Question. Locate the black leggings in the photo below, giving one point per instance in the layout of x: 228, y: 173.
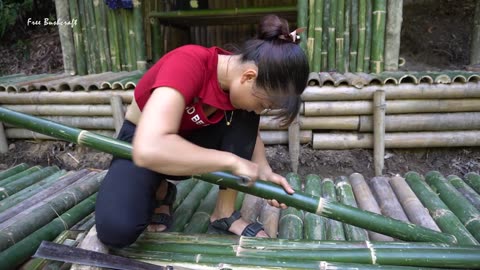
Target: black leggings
x: 126, y: 199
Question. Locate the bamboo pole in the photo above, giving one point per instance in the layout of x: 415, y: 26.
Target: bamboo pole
x: 80, y: 56
x: 281, y: 137
x: 294, y: 143
x: 362, y: 10
x: 339, y: 37
x: 314, y: 226
x: 13, y: 170
x: 388, y: 202
x: 66, y: 36
x: 458, y: 204
x: 366, y: 201
x: 19, y: 175
x: 260, y: 188
x: 63, y: 109
x: 118, y: 113
x: 445, y: 219
x: 82, y: 12
x: 25, y: 134
x: 346, y: 196
x: 290, y: 224
x: 378, y: 131
x: 113, y: 40
x: 392, y: 33
x: 201, y: 218
x: 317, y: 51
x: 21, y: 183
x: 466, y: 191
x: 3, y: 140
x: 139, y: 35
x: 354, y: 31
x: 332, y: 24
x: 378, y: 35
x: 334, y: 229
x: 83, y: 122
x: 368, y: 36
x: 475, y: 47
x: 473, y: 180
x: 414, y: 209
x: 156, y: 34
x: 325, y: 33
x: 183, y: 188
x: 94, y: 52
x: 101, y: 32
x: 346, y: 34
x: 311, y: 32
x: 320, y: 122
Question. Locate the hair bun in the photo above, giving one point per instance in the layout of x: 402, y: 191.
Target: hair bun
x: 272, y: 27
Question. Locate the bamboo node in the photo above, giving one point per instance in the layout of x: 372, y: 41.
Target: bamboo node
x: 323, y: 265
x: 373, y: 255
x: 320, y: 206
x: 477, y: 218
x: 440, y: 213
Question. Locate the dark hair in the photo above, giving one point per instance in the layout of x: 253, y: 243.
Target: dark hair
x: 282, y: 65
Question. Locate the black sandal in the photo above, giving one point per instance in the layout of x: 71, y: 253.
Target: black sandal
x: 222, y: 225
x: 162, y: 218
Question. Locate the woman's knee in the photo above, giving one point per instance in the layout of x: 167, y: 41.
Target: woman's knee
x: 117, y: 233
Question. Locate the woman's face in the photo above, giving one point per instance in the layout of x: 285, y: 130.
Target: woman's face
x: 245, y: 95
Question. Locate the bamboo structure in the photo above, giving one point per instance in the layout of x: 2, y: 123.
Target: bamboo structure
x: 475, y: 46
x: 378, y: 131
x: 392, y: 34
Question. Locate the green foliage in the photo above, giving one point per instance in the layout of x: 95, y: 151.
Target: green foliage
x: 11, y: 10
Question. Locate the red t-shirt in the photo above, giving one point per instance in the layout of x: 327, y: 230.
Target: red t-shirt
x: 191, y: 70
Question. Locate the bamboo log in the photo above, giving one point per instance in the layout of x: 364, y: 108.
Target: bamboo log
x: 362, y: 9
x: 354, y: 35
x: 118, y: 113
x: 3, y: 140
x: 260, y: 188
x: 25, y: 134
x: 281, y: 137
x: 334, y: 229
x: 91, y: 242
x: 101, y: 32
x: 378, y: 35
x: 113, y: 40
x: 19, y: 175
x: 339, y: 37
x: 325, y: 26
x: 445, y: 219
x: 294, y: 143
x: 346, y: 196
x: 66, y: 36
x: 201, y: 218
x: 379, y: 128
x: 94, y: 53
x: 290, y: 225
x: 392, y: 34
x: 366, y: 201
x: 314, y: 226
x: 183, y: 188
x: 269, y: 217
x: 397, y: 140
x: 458, y: 204
x: 363, y: 107
x: 63, y: 109
x: 337, y: 123
x: 311, y: 32
x: 467, y: 192
x: 473, y: 180
x: 13, y: 170
x: 475, y: 47
x: 21, y: 251
x: 368, y: 36
x: 388, y: 202
x: 47, y: 212
x: 317, y: 52
x: 80, y: 57
x: 40, y: 97
x: 414, y: 209
x: 21, y: 183
x: 332, y: 24
x: 139, y: 35
x: 83, y: 122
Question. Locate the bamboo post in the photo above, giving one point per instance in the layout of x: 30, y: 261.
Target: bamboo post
x: 84, y: 24
x: 139, y: 35
x: 317, y: 51
x: 354, y: 35
x: 378, y: 36
x: 90, y: 242
x: 475, y: 47
x: 334, y: 228
x: 80, y: 56
x: 91, y: 26
x: 66, y: 36
x: 294, y: 143
x: 392, y: 34
x: 3, y: 140
x: 388, y: 202
x: 339, y: 37
x: 101, y: 32
x: 379, y: 131
x: 118, y: 113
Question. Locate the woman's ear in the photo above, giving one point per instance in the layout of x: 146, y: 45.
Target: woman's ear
x: 249, y: 75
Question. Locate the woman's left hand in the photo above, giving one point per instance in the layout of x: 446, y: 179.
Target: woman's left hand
x: 267, y: 174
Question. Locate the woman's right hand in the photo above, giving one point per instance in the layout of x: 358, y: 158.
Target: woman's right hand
x: 246, y: 168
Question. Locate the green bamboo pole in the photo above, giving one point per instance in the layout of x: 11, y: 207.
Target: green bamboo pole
x: 84, y: 30
x: 467, y: 192
x: 101, y: 31
x: 362, y: 9
x: 311, y: 32
x: 189, y: 205
x: 21, y: 183
x: 473, y: 180
x: 201, y: 218
x: 339, y: 37
x: 334, y: 228
x: 314, y: 225
x: 139, y: 35
x: 132, y: 37
x: 459, y: 205
x: 346, y: 34
x: 3, y: 140
x: 66, y: 36
x: 354, y: 35
x: 290, y: 224
x: 392, y: 33
x: 378, y: 35
x: 317, y: 51
x: 47, y: 212
x: 475, y: 45
x: 80, y: 56
x: 21, y: 251
x: 13, y: 170
x: 92, y: 35
x: 113, y: 40
x: 368, y: 36
x: 260, y: 188
x: 332, y: 24
x: 445, y: 219
x: 157, y: 34
x: 19, y: 175
x: 325, y: 27
x: 183, y: 188
x: 239, y: 200
x: 346, y: 196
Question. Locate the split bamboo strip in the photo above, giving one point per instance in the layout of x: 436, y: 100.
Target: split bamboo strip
x: 314, y: 226
x: 66, y: 36
x: 458, y: 204
x: 362, y: 10
x: 260, y: 188
x: 80, y: 56
x: 63, y: 109
x: 290, y: 225
x: 392, y: 33
x: 473, y: 180
x: 19, y: 175
x: 118, y: 113
x: 183, y: 188
x: 412, y: 206
x: 325, y: 33
x: 21, y: 251
x: 396, y: 140
x: 339, y: 37
x: 189, y: 205
x: 334, y: 229
x: 269, y: 217
x: 38, y: 197
x: 311, y: 32
x: 3, y: 140
x: 201, y: 218
x: 467, y: 192
x: 366, y: 201
x: 317, y: 51
x: 368, y: 36
x: 13, y: 170
x: 48, y: 211
x: 354, y: 35
x: 346, y: 196
x: 346, y: 34
x: 113, y: 40
x: 378, y: 35
x: 101, y: 33
x: 294, y: 143
x: 475, y: 47
x: 332, y: 24
x: 21, y: 183
x: 445, y: 219
x: 388, y: 202
x: 379, y: 128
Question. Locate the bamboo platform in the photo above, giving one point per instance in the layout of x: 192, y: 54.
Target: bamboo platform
x: 445, y: 204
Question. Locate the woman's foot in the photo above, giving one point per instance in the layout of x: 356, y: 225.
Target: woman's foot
x: 162, y: 215
x: 236, y: 225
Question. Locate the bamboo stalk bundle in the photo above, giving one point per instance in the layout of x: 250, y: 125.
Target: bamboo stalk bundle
x: 339, y: 37
x: 13, y: 170
x: 21, y: 251
x: 473, y: 180
x: 81, y: 65
x: 317, y: 51
x: 366, y: 201
x: 378, y: 35
x: 379, y: 129
x: 281, y: 137
x: 139, y: 35
x: 63, y: 109
x: 201, y: 218
x: 362, y: 10
x: 38, y: 197
x: 392, y: 33
x: 314, y: 226
x: 475, y: 47
x: 260, y: 188
x: 183, y: 188
x: 189, y: 205
x: 354, y: 34
x: 388, y: 202
x: 47, y: 212
x: 66, y: 36
x: 445, y: 219
x: 290, y: 225
x: 334, y: 229
x: 346, y: 196
x: 113, y: 41
x: 19, y: 175
x: 325, y: 33
x: 368, y: 36
x: 269, y: 217
x: 458, y: 204
x: 412, y: 206
x: 466, y: 191
x: 21, y: 183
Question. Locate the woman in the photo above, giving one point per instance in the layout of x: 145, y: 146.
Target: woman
x: 197, y: 111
